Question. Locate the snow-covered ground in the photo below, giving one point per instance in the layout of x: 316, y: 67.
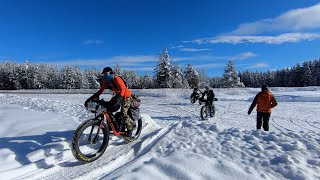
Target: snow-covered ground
x: 37, y: 126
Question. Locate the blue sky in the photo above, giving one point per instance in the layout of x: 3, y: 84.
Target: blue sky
x: 257, y: 35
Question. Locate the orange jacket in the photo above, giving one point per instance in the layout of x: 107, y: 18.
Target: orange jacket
x: 265, y: 101
x: 117, y: 86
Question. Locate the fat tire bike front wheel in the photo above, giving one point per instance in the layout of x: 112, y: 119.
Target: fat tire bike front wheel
x: 204, y: 112
x: 90, y: 141
x: 207, y: 111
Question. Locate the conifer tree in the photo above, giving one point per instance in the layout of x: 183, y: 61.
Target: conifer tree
x: 192, y: 76
x: 230, y: 76
x: 163, y: 71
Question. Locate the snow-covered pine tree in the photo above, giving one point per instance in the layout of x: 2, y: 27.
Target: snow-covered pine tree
x: 192, y: 76
x: 92, y: 75
x: 230, y: 76
x: 45, y: 77
x: 84, y: 82
x: 34, y: 76
x: 13, y: 77
x: 204, y: 80
x: 71, y: 77
x: 146, y: 82
x: 54, y: 80
x: 177, y: 81
x: 10, y: 76
x: 131, y: 78
x: 307, y: 73
x: 117, y: 70
x: 24, y: 75
x: 316, y: 72
x: 163, y: 70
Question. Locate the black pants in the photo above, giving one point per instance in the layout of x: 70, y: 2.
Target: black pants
x: 263, y: 119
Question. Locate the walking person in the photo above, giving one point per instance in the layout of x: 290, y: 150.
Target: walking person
x: 265, y: 101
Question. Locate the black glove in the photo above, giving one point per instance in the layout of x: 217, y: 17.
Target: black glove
x: 95, y: 96
x: 249, y: 112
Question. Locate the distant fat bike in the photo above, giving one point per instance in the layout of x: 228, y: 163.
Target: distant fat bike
x: 208, y: 109
x: 91, y: 138
x: 194, y: 97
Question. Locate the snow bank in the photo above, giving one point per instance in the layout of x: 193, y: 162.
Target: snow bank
x: 192, y: 150
x: 74, y: 110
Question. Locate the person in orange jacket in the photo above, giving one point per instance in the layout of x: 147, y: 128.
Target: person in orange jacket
x: 117, y: 85
x: 265, y: 101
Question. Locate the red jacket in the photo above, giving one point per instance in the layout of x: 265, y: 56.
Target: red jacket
x: 265, y: 101
x: 117, y: 86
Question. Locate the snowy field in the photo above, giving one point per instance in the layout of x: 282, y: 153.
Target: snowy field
x: 37, y: 126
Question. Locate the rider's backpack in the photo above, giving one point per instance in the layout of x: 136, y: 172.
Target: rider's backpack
x: 134, y: 114
x: 116, y: 86
x: 135, y: 103
x: 134, y: 111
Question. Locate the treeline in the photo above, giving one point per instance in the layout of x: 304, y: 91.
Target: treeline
x: 14, y: 76
x: 307, y: 74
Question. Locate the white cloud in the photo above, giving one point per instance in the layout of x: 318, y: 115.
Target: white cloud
x: 241, y: 56
x: 182, y: 48
x: 209, y: 65
x: 176, y: 47
x: 122, y: 60
x: 194, y: 49
x: 294, y: 26
x: 292, y: 21
x: 258, y: 65
x: 245, y: 55
x: 93, y: 41
x: 139, y: 68
x: 200, y: 58
x: 282, y: 38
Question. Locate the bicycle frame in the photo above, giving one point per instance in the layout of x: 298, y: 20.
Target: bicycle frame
x: 113, y: 125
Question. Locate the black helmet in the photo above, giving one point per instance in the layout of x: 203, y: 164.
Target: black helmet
x: 107, y: 69
x: 264, y: 87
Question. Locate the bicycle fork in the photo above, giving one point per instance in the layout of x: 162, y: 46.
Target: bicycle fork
x: 96, y: 137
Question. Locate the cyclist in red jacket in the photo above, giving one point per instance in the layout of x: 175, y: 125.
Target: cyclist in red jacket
x: 117, y: 85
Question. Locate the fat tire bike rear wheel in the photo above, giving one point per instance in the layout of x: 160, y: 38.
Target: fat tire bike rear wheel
x: 90, y: 141
x: 135, y: 133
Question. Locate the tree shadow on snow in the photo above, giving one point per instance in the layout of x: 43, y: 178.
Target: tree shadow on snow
x: 48, y: 144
